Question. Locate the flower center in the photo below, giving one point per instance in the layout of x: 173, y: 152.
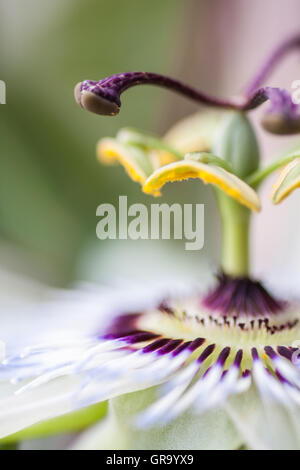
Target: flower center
x: 239, y: 317
x: 187, y: 320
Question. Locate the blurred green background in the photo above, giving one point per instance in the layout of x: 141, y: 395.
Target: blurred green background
x: 50, y: 181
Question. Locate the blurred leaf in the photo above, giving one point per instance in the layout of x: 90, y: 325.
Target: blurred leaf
x: 71, y: 422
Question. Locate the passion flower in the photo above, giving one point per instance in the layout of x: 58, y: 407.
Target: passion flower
x: 216, y: 369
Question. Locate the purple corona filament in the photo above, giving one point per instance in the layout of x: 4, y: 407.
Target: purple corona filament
x: 233, y: 296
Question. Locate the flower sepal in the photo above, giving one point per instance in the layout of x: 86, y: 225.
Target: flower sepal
x: 120, y: 430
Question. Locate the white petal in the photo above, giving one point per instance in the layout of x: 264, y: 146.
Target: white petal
x: 48, y: 401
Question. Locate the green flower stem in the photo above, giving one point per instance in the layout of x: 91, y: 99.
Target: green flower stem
x: 258, y: 176
x: 235, y: 236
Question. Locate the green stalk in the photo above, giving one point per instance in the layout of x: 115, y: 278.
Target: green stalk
x: 235, y: 236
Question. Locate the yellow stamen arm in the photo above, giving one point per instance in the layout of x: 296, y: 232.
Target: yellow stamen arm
x: 138, y: 163
x: 288, y: 181
x: 135, y: 160
x: 222, y: 179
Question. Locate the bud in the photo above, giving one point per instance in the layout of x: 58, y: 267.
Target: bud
x: 236, y: 143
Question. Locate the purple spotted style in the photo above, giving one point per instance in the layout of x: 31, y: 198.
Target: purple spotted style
x: 282, y: 117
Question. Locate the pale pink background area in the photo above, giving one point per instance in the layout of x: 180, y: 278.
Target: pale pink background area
x: 224, y: 42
